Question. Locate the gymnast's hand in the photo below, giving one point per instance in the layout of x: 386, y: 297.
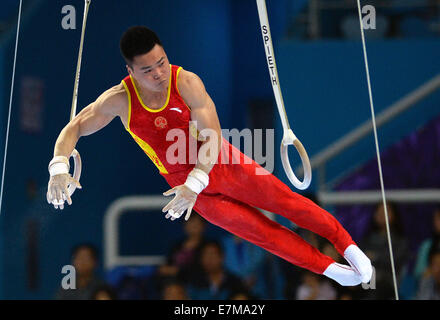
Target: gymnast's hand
x: 184, y: 200
x: 57, y: 191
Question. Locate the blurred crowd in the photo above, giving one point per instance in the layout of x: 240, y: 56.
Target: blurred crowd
x: 230, y: 268
x: 339, y: 19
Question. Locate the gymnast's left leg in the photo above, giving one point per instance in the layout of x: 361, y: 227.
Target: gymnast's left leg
x: 267, y: 192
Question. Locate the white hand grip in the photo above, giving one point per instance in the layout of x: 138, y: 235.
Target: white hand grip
x: 76, y: 171
x: 290, y: 139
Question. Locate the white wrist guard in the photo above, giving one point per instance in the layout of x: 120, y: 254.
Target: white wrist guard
x: 197, y: 180
x: 59, y: 165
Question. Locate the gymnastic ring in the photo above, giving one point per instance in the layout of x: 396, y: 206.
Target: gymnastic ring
x: 76, y: 170
x: 289, y: 138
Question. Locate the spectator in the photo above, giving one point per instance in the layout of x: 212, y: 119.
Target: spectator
x: 315, y: 288
x: 376, y: 248
x: 181, y: 259
x: 213, y: 282
x: 104, y: 292
x: 245, y: 260
x: 174, y: 290
x: 345, y: 295
x: 350, y: 293
x: 134, y: 286
x: 84, y: 260
x: 429, y: 288
x: 425, y: 247
x: 241, y: 295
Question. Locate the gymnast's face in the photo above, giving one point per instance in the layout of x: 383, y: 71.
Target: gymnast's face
x: 151, y: 70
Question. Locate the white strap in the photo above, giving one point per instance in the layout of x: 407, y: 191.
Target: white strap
x: 197, y: 180
x: 58, y: 168
x: 59, y: 165
x: 59, y: 159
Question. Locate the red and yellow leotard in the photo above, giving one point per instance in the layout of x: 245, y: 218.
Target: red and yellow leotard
x: 149, y: 127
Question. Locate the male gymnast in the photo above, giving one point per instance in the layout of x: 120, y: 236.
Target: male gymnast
x: 156, y: 97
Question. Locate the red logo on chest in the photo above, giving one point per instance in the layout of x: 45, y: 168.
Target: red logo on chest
x: 160, y: 122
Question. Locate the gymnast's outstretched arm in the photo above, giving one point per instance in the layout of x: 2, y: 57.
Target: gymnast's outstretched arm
x: 91, y: 119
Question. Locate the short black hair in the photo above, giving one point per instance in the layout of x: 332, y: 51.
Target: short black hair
x: 137, y: 40
x: 213, y: 243
x: 107, y: 289
x: 397, y: 225
x: 88, y: 246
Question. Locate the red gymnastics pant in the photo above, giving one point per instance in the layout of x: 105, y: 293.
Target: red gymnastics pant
x: 235, y: 190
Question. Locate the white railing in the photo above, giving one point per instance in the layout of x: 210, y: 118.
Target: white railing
x: 112, y: 257
x: 111, y: 230
x: 121, y: 206
x: 375, y: 196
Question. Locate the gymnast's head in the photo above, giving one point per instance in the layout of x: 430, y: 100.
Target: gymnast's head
x: 145, y: 58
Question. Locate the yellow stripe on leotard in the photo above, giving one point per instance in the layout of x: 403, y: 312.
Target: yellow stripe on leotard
x: 129, y: 105
x: 149, y: 152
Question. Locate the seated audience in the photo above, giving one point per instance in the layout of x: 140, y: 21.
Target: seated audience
x: 174, y: 290
x: 245, y: 260
x: 314, y: 287
x: 429, y: 288
x: 213, y: 281
x: 181, y: 259
x: 84, y: 260
x: 104, y: 292
x: 375, y: 244
x: 423, y: 252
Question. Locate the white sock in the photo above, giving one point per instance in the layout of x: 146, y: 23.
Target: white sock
x: 359, y: 261
x: 342, y: 274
